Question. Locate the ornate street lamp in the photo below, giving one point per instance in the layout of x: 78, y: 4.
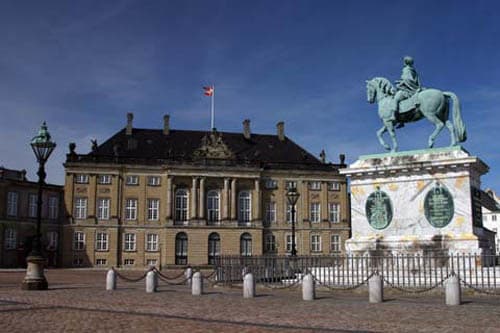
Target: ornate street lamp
x: 35, y: 279
x: 292, y: 196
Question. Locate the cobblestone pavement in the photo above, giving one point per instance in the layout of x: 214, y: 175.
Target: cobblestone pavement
x: 77, y: 302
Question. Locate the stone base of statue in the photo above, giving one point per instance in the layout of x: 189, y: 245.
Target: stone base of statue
x: 35, y: 278
x: 417, y: 202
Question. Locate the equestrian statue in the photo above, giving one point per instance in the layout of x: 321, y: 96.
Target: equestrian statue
x: 410, y: 102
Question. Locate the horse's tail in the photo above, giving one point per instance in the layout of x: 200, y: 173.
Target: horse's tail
x: 458, y: 124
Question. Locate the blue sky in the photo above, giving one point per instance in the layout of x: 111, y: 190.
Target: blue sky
x: 82, y: 65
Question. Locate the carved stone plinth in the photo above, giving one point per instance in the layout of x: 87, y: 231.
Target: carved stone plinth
x: 35, y: 278
x: 420, y: 202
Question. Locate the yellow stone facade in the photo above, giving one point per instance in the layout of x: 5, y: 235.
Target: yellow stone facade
x: 175, y: 197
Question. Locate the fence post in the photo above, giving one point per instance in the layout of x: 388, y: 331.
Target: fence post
x: 151, y: 282
x: 248, y: 286
x: 308, y: 288
x: 453, y: 295
x: 111, y: 280
x: 376, y: 289
x: 188, y: 274
x: 197, y: 284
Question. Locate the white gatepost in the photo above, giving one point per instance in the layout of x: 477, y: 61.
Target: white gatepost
x: 111, y: 280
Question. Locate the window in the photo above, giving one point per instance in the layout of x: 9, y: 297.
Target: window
x: 270, y: 243
x: 32, y: 205
x: 213, y: 206
x: 154, y: 181
x: 335, y: 243
x: 333, y: 186
x: 271, y: 184
x: 151, y: 242
x: 52, y: 240
x: 289, y: 213
x: 181, y: 249
x: 493, y: 218
x: 271, y: 212
x: 103, y: 208
x: 104, y: 179
x: 100, y: 262
x: 78, y: 241
x: 246, y: 245
x: 53, y: 208
x: 129, y: 243
x: 101, y: 241
x: 315, y: 243
x: 10, y: 239
x: 80, y: 208
x: 315, y: 212
x: 315, y: 185
x: 131, y: 209
x: 289, y: 184
x: 213, y: 247
x: 151, y: 262
x: 128, y: 262
x: 77, y: 262
x: 244, y: 206
x: 132, y: 180
x: 181, y: 205
x: 82, y: 179
x: 12, y: 198
x: 153, y: 209
x: 334, y: 212
x: 288, y: 242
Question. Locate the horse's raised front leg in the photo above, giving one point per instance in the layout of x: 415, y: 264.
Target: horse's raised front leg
x: 380, y: 132
x: 390, y: 128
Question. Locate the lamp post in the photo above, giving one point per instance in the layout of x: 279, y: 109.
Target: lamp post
x: 35, y: 279
x: 292, y: 196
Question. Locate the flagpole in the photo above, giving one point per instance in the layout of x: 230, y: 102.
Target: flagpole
x: 212, y: 115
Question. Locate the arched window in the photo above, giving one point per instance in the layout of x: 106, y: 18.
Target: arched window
x: 181, y: 249
x: 181, y: 205
x: 213, y: 247
x: 245, y: 204
x: 213, y: 206
x: 246, y: 244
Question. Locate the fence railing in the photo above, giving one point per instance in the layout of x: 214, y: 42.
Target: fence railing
x: 404, y: 270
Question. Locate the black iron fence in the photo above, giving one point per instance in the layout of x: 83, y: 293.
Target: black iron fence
x: 404, y: 271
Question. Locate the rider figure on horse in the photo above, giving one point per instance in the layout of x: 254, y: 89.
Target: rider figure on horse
x: 406, y: 87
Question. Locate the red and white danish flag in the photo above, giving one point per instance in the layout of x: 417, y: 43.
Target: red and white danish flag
x: 208, y: 91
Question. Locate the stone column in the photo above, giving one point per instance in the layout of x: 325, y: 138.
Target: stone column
x: 202, y: 201
x: 169, y: 197
x: 193, y: 199
x: 256, y: 201
x: 225, y: 200
x: 233, y: 199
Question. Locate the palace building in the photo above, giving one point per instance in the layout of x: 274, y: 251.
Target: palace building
x: 169, y: 197
x: 18, y: 213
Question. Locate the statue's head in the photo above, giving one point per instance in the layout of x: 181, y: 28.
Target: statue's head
x: 408, y: 61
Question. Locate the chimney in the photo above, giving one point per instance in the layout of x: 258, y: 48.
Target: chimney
x: 281, y: 130
x: 166, y: 124
x: 130, y: 117
x: 246, y: 129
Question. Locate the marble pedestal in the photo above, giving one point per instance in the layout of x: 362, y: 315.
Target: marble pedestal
x: 35, y: 278
x: 421, y: 202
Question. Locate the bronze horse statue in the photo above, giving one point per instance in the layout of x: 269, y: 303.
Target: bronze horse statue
x: 432, y: 104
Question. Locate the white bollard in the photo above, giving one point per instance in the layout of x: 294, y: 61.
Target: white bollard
x: 453, y: 295
x: 248, y: 286
x: 111, y: 280
x: 188, y: 274
x: 308, y: 288
x: 376, y: 289
x: 151, y: 282
x: 197, y: 284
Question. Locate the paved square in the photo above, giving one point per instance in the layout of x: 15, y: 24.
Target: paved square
x: 77, y: 302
